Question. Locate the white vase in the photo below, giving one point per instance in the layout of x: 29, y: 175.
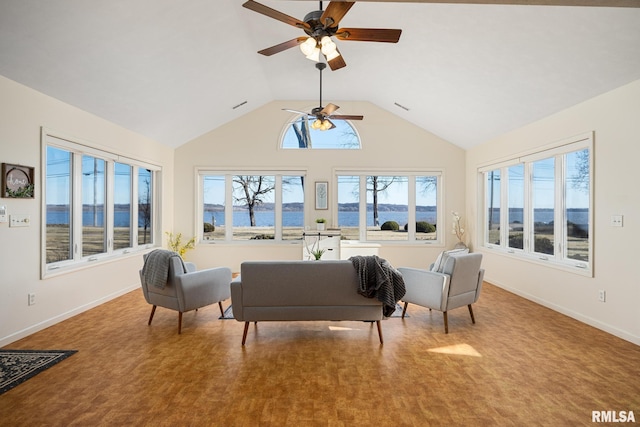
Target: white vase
x: 320, y: 226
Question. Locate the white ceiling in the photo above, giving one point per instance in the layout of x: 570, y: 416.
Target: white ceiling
x: 173, y: 70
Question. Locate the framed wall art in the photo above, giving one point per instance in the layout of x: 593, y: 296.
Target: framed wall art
x: 322, y: 191
x: 17, y: 181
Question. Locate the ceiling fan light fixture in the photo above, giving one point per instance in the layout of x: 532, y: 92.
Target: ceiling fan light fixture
x: 317, y: 124
x: 308, y: 46
x: 326, y: 125
x: 314, y: 55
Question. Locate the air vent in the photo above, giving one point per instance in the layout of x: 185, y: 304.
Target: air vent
x: 239, y: 105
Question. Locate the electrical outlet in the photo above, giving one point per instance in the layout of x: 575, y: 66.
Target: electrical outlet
x: 602, y: 295
x: 32, y: 299
x: 616, y: 220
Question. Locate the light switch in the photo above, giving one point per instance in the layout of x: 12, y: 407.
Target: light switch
x: 3, y: 214
x: 19, y: 221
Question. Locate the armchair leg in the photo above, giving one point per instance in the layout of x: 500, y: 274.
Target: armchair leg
x: 404, y: 310
x: 221, y: 310
x: 153, y: 311
x: 379, y: 331
x: 179, y: 322
x: 446, y: 322
x: 473, y: 319
x: 244, y: 335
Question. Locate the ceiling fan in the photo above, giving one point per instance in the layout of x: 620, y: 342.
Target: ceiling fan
x: 320, y: 26
x: 323, y: 115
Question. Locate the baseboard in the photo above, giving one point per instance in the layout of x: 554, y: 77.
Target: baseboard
x: 64, y: 316
x: 574, y: 315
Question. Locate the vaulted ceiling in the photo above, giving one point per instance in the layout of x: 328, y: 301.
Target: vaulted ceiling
x: 174, y: 70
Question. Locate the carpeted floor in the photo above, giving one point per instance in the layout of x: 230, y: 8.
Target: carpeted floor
x: 17, y: 366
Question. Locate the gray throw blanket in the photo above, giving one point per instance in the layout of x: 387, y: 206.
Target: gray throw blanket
x: 156, y: 267
x: 380, y: 280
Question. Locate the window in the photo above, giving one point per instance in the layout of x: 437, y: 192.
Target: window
x: 300, y: 135
x: 548, y: 195
x: 395, y: 207
x: 245, y: 205
x: 88, y: 204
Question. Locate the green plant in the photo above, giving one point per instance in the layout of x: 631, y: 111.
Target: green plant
x: 175, y: 243
x: 422, y: 227
x: 317, y: 253
x: 208, y: 227
x: 390, y: 225
x: 321, y: 220
x: 22, y: 192
x: 263, y: 237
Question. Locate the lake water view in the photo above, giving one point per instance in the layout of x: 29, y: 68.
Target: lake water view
x: 296, y: 218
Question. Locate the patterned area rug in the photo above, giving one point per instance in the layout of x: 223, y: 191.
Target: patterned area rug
x: 17, y: 366
x: 228, y: 313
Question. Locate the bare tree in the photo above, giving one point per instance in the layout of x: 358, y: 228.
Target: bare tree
x: 253, y: 189
x: 581, y: 177
x: 302, y: 132
x: 144, y: 207
x: 376, y: 185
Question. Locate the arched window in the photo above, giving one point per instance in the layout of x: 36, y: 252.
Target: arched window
x: 301, y: 134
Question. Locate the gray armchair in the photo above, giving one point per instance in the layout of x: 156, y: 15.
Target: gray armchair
x: 457, y: 283
x: 169, y: 282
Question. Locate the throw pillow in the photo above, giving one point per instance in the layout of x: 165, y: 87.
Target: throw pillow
x: 438, y: 266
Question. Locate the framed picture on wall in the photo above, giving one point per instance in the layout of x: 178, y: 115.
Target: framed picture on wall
x: 322, y: 191
x: 17, y: 181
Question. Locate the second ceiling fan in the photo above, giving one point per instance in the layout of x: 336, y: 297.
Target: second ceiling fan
x: 320, y: 26
x: 323, y: 115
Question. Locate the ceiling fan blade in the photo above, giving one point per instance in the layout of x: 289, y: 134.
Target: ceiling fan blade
x: 347, y: 117
x: 275, y: 14
x: 331, y: 123
x: 282, y: 46
x: 334, y: 13
x: 385, y: 35
x: 588, y: 3
x: 329, y: 109
x: 296, y: 111
x: 337, y: 62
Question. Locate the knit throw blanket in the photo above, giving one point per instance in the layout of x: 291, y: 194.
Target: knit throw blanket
x: 156, y: 267
x: 378, y: 279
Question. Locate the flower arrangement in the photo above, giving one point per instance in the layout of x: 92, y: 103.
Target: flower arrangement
x: 176, y: 245
x: 458, y: 230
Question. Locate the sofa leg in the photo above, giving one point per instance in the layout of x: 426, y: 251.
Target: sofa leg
x: 473, y: 319
x: 221, y: 310
x: 179, y: 322
x: 406, y: 304
x: 244, y: 335
x: 153, y: 311
x: 446, y: 322
x: 379, y: 331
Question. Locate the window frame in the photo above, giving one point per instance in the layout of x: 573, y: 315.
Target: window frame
x: 559, y: 259
x: 77, y: 149
x: 411, y: 175
x: 228, y: 174
x: 297, y: 118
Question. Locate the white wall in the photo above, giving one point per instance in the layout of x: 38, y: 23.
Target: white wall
x: 252, y: 141
x: 23, y: 112
x: 615, y: 118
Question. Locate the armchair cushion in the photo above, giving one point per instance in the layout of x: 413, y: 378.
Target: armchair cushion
x: 438, y: 265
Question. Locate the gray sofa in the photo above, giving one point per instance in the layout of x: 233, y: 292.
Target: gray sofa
x: 300, y: 290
